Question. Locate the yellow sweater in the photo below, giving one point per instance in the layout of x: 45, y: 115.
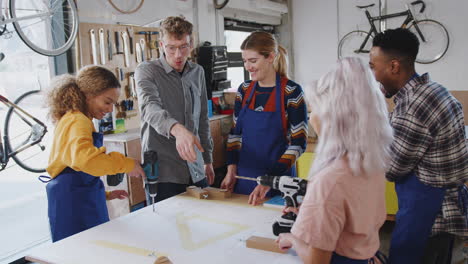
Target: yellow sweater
x: 73, y: 147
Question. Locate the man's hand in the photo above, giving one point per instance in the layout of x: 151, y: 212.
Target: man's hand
x: 209, y: 171
x: 117, y: 194
x: 186, y: 142
x: 258, y: 194
x: 137, y: 170
x: 230, y: 179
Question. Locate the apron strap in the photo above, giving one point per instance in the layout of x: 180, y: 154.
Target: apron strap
x: 249, y: 94
x: 44, y: 178
x: 463, y: 200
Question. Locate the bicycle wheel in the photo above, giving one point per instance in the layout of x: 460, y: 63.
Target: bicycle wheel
x: 53, y: 31
x: 436, y: 40
x: 349, y: 45
x: 126, y: 6
x: 21, y: 130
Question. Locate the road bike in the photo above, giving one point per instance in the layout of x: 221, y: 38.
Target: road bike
x: 433, y: 36
x: 26, y: 139
x: 49, y: 27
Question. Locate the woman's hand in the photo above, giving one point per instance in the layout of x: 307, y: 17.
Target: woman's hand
x: 137, y: 170
x: 230, y: 179
x: 258, y: 194
x: 117, y: 194
x: 284, y: 241
x: 291, y: 209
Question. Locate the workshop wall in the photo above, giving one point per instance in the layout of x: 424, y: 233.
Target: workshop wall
x: 200, y: 12
x: 319, y: 25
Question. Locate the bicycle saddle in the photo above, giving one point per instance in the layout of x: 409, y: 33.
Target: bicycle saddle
x: 366, y: 6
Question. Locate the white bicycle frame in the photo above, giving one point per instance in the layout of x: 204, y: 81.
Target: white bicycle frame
x: 4, y: 21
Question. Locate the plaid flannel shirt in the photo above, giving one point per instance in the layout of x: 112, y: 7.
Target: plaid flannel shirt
x: 429, y: 140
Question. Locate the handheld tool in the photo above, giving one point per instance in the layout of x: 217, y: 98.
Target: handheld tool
x: 151, y: 45
x: 102, y: 48
x: 93, y: 46
x: 118, y: 50
x: 292, y: 190
x: 150, y: 166
x: 109, y: 46
x: 126, y: 49
x: 130, y: 38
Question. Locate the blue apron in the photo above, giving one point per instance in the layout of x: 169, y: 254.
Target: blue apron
x: 76, y: 201
x: 263, y: 140
x: 338, y: 259
x: 418, y: 206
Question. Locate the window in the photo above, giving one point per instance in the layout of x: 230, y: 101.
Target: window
x: 234, y: 34
x: 23, y: 202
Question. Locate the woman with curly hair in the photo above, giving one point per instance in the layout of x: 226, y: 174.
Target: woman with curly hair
x: 75, y: 194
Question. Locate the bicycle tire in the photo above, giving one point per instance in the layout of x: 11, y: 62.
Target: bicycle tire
x: 436, y: 44
x: 60, y: 27
x: 351, y: 42
x: 14, y: 127
x: 129, y: 11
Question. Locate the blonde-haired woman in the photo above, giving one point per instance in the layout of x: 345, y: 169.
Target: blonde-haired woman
x: 76, y: 196
x: 344, y: 207
x: 270, y: 116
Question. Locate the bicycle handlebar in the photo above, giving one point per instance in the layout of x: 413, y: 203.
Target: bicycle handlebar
x: 420, y: 2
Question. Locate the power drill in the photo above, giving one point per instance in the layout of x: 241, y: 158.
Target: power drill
x: 292, y: 189
x: 150, y: 166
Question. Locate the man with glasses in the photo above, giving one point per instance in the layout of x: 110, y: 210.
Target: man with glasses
x: 173, y: 104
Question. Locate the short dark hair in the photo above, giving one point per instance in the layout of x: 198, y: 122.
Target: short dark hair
x: 398, y: 42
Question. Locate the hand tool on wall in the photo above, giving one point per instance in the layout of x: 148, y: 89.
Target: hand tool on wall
x: 151, y: 44
x: 109, y: 46
x: 143, y: 49
x: 118, y: 50
x: 130, y: 38
x: 150, y: 166
x: 93, y: 46
x: 138, y: 53
x: 126, y: 49
x: 292, y: 189
x: 102, y: 46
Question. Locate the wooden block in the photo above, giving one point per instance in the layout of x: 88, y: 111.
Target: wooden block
x: 263, y: 243
x: 216, y: 193
x: 197, y: 192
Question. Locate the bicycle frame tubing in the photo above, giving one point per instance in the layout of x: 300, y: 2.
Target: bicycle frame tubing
x: 373, y: 30
x: 11, y: 20
x: 10, y: 104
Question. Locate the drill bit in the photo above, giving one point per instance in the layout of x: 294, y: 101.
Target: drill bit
x: 246, y: 178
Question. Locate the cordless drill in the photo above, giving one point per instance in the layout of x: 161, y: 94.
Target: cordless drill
x: 292, y: 189
x: 150, y: 166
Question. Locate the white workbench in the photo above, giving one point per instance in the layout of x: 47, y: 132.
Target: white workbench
x: 184, y: 229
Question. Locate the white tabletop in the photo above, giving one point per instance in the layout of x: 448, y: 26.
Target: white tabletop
x: 185, y: 229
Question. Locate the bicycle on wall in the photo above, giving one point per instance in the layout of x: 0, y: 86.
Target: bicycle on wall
x: 49, y: 27
x: 433, y: 36
x: 25, y: 134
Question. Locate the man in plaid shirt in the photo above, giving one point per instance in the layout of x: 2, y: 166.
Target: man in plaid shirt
x: 429, y: 153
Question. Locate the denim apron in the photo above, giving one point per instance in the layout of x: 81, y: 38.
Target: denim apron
x: 263, y: 138
x: 338, y: 259
x: 418, y: 206
x: 76, y: 201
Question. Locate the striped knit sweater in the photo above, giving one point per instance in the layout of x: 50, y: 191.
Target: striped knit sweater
x: 296, y: 119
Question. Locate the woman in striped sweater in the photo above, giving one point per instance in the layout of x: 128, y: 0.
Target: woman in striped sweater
x: 270, y: 119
